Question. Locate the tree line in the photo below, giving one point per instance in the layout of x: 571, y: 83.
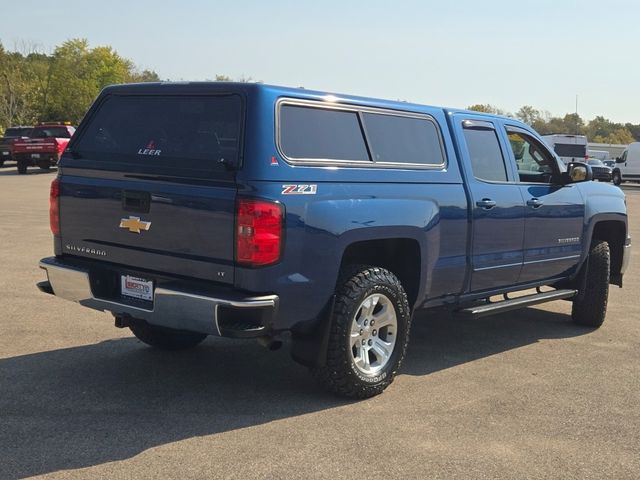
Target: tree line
x: 598, y: 130
x: 37, y: 87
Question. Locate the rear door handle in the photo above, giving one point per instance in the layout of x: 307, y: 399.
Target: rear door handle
x: 535, y: 202
x: 486, y: 203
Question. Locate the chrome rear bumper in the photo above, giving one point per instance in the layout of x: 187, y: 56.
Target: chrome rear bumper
x: 170, y: 308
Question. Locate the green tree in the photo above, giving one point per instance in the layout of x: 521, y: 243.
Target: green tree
x: 488, y: 108
x: 77, y: 75
x: 600, y: 127
x: 38, y: 87
x: 620, y: 136
x: 144, y: 76
x: 528, y: 115
x: 16, y: 88
x: 573, y: 123
x: 634, y: 130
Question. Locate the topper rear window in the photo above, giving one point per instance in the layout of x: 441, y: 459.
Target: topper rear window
x: 189, y: 132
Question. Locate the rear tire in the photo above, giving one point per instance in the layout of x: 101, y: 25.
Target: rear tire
x: 44, y: 165
x: 369, y: 333
x: 22, y: 167
x: 590, y: 307
x: 165, y: 338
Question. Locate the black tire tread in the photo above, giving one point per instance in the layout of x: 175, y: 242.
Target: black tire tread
x: 336, y: 375
x: 590, y: 307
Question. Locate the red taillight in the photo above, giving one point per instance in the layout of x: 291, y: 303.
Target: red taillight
x: 258, y: 232
x: 54, y: 207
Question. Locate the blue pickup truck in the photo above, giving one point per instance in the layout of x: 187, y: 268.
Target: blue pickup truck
x: 247, y: 210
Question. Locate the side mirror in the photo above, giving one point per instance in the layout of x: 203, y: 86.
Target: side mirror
x: 578, y: 172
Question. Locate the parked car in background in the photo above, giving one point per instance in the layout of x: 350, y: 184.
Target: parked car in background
x: 570, y: 148
x: 599, y: 154
x: 628, y: 165
x: 44, y: 147
x: 11, y: 134
x: 600, y: 171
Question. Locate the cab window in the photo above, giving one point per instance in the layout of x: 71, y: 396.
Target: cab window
x: 535, y: 165
x: 485, y: 154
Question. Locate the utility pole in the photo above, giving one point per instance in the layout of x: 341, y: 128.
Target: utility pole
x: 577, y: 114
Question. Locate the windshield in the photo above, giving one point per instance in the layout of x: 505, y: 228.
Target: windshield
x: 595, y: 161
x: 193, y: 132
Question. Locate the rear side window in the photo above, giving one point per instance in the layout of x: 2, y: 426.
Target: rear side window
x: 189, y: 132
x: 570, y: 150
x: 323, y: 134
x: 486, y: 156
x: 399, y: 139
x: 51, y: 132
x: 17, y: 132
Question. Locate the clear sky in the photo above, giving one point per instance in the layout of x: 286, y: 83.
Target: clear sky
x: 453, y: 53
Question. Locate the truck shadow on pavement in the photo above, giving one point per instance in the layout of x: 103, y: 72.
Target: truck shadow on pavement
x: 88, y: 405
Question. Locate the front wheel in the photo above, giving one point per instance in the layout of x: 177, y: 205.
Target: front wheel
x: 616, y: 178
x: 590, y: 306
x: 165, y: 338
x: 369, y: 333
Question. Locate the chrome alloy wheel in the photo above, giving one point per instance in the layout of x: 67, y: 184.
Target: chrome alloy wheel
x: 373, y: 334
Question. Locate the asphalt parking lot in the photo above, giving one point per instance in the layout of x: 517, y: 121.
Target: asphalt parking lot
x: 525, y: 394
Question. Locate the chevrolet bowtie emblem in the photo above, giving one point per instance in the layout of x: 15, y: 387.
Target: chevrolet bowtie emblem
x: 134, y: 224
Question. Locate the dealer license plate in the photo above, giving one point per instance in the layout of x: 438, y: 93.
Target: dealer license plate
x: 35, y: 155
x: 136, y: 287
x: 5, y: 153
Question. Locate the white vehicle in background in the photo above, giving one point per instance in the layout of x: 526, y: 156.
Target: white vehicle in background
x: 570, y: 148
x: 601, y: 155
x: 628, y: 165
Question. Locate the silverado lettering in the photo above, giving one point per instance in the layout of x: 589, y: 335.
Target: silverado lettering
x: 88, y: 251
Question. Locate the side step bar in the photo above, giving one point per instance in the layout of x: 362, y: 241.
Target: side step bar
x: 483, y: 310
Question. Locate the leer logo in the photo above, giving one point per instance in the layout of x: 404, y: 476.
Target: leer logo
x: 134, y: 224
x: 150, y: 149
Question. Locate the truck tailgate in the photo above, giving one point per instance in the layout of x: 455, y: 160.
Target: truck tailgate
x: 172, y: 228
x: 36, y: 145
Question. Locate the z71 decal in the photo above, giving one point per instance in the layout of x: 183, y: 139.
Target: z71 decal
x: 299, y: 189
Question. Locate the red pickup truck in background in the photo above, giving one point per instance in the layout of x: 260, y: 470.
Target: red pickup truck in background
x: 44, y: 147
x: 11, y: 135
